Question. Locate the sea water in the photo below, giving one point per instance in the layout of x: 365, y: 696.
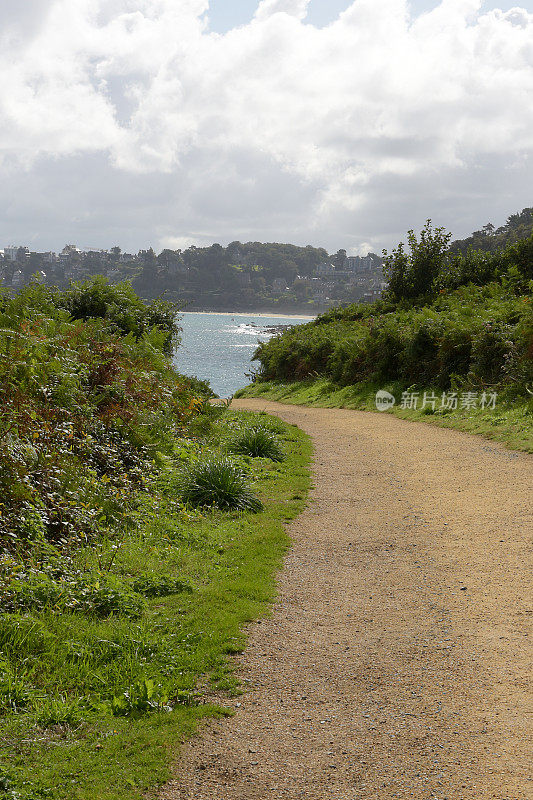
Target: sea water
x: 219, y: 347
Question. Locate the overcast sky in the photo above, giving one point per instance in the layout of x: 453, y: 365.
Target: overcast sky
x: 324, y: 122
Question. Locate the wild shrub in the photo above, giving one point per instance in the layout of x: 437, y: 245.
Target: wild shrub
x: 455, y: 352
x: 413, y: 274
x: 85, y: 409
x: 76, y: 593
x: 122, y: 310
x: 490, y: 349
x: 142, y: 697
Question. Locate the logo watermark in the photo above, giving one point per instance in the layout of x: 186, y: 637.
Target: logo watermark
x: 384, y: 400
x: 443, y: 401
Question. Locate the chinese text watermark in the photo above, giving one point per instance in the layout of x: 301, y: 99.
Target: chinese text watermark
x: 444, y: 401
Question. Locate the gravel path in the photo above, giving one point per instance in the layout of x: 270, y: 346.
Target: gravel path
x: 395, y: 664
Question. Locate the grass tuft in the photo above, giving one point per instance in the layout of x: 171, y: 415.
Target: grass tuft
x: 218, y: 482
x: 257, y: 442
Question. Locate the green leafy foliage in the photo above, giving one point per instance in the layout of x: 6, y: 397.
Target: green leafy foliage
x: 86, y: 406
x: 156, y: 585
x: 102, y: 638
x: 92, y: 702
x: 517, y: 227
x: 122, y: 310
x: 413, y: 274
x: 143, y: 697
x: 75, y: 593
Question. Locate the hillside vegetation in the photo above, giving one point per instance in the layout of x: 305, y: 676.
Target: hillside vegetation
x: 140, y: 527
x: 489, y: 238
x: 447, y: 322
x: 88, y: 396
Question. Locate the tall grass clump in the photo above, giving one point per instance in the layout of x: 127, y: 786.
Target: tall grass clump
x: 218, y: 482
x: 257, y: 442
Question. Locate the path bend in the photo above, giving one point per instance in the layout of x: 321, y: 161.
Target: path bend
x: 396, y: 662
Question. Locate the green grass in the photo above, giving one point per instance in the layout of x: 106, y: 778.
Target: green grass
x: 106, y: 701
x: 510, y: 422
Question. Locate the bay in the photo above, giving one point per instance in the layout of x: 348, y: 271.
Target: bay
x: 219, y: 347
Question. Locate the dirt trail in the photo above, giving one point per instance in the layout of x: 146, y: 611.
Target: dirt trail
x: 395, y: 664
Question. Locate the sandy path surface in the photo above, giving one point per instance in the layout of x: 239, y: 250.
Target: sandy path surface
x: 395, y: 664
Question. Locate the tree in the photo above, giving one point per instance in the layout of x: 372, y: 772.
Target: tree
x: 411, y: 275
x: 339, y: 259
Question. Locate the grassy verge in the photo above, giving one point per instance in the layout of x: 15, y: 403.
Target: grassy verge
x: 510, y: 422
x: 94, y: 706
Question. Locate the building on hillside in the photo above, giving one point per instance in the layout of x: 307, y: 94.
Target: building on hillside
x: 16, y: 253
x: 360, y: 263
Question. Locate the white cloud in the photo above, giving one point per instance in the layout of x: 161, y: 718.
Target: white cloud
x: 331, y: 118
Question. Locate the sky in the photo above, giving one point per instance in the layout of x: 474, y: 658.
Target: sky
x: 167, y: 123
x: 224, y: 14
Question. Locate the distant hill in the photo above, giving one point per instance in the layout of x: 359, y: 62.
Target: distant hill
x: 242, y: 276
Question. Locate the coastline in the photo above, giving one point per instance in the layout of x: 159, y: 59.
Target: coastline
x: 275, y: 315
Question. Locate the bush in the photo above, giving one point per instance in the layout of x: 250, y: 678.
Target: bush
x: 86, y: 405
x: 413, y: 275
x: 257, y: 442
x: 454, y: 355
x: 141, y: 698
x: 122, y: 309
x: 489, y: 352
x: 218, y: 482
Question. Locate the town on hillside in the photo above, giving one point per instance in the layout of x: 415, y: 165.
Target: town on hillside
x: 240, y: 276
